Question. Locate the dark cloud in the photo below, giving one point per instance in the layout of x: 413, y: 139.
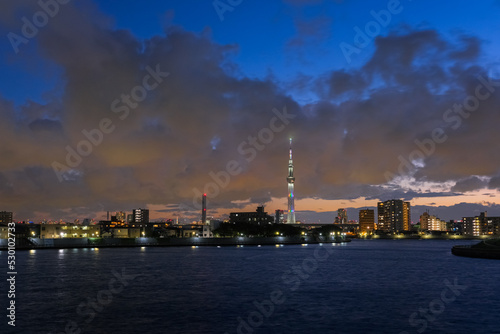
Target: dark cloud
x: 161, y: 152
x: 470, y: 48
x: 401, y: 95
x: 340, y: 82
x: 494, y: 182
x: 310, y: 31
x: 12, y: 11
x: 403, y: 51
x: 47, y: 125
x: 469, y: 184
x: 457, y: 211
x: 406, y: 195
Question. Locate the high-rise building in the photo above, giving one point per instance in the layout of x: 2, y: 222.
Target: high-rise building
x: 406, y: 216
x: 424, y: 221
x: 393, y: 216
x: 431, y: 223
x: 204, y: 209
x: 341, y: 217
x: 5, y: 217
x: 279, y: 217
x: 366, y: 221
x: 291, y: 183
x: 140, y: 216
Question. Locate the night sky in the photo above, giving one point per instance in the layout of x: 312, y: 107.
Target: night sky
x: 116, y: 105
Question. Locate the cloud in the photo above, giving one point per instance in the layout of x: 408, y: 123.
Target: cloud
x: 494, y: 182
x: 340, y: 82
x: 401, y: 95
x: 310, y: 31
x: 469, y: 184
x: 162, y: 152
x: 12, y: 11
x: 457, y: 211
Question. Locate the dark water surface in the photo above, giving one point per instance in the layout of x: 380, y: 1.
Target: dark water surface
x: 379, y: 286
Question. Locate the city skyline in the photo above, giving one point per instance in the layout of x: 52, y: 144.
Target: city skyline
x: 103, y: 111
x: 347, y: 217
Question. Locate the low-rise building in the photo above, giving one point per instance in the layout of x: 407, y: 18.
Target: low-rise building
x: 481, y: 225
x: 258, y: 217
x: 52, y: 231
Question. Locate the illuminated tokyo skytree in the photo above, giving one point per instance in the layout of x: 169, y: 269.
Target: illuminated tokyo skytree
x: 291, y: 183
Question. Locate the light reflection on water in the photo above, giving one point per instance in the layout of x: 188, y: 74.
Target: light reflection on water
x: 361, y: 287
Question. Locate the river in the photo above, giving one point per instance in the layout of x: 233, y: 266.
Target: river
x: 365, y: 286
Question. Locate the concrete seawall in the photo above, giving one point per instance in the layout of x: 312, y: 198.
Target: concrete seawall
x: 470, y: 251
x: 35, y: 243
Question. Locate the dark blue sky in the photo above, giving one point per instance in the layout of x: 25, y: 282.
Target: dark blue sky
x: 272, y: 37
x: 358, y: 114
